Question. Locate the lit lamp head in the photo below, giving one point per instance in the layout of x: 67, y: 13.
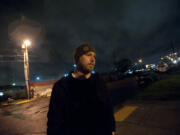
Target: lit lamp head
x: 26, y: 43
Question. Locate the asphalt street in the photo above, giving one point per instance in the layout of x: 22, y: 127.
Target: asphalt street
x: 132, y: 118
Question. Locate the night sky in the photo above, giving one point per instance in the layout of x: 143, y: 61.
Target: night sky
x: 118, y: 29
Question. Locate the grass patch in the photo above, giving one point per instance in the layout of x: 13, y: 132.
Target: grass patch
x: 167, y: 88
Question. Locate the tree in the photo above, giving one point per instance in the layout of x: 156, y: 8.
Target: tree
x: 123, y: 65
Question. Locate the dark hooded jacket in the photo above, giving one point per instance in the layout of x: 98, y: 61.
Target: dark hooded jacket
x: 80, y: 107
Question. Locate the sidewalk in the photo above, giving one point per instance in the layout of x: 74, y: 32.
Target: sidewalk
x: 148, y: 118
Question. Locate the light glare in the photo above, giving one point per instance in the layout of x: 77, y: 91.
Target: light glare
x: 175, y: 61
x: 140, y: 60
x: 27, y: 42
x: 38, y: 78
x: 66, y: 75
x: 1, y: 94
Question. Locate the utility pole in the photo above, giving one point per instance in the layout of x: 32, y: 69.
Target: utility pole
x: 26, y: 66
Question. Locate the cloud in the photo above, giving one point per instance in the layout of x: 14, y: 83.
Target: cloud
x: 118, y: 29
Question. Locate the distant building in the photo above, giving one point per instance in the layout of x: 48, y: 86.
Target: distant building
x: 41, y: 89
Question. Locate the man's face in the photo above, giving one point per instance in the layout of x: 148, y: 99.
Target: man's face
x: 87, y: 62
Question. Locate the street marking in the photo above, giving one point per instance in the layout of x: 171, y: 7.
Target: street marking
x: 24, y: 101
x: 123, y: 113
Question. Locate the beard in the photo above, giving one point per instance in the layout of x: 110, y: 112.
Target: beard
x: 86, y: 68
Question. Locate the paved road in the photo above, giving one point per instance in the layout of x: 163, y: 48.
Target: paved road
x: 149, y: 118
x: 132, y: 118
x: 24, y: 119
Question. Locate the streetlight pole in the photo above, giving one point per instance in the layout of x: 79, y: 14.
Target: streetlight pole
x: 26, y: 65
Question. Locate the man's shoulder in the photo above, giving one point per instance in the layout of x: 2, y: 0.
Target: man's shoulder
x: 63, y: 80
x: 97, y: 77
x: 61, y: 85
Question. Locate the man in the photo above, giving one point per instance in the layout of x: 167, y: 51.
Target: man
x: 79, y: 103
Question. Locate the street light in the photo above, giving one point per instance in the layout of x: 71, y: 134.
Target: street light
x: 140, y: 60
x: 27, y: 42
x: 25, y: 45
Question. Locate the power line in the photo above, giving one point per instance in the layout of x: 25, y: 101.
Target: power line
x: 8, y: 61
x: 1, y: 56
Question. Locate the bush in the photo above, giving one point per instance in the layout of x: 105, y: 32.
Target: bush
x: 167, y: 88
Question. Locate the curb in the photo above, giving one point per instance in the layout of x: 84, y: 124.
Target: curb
x: 17, y: 102
x: 23, y: 101
x: 5, y: 103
